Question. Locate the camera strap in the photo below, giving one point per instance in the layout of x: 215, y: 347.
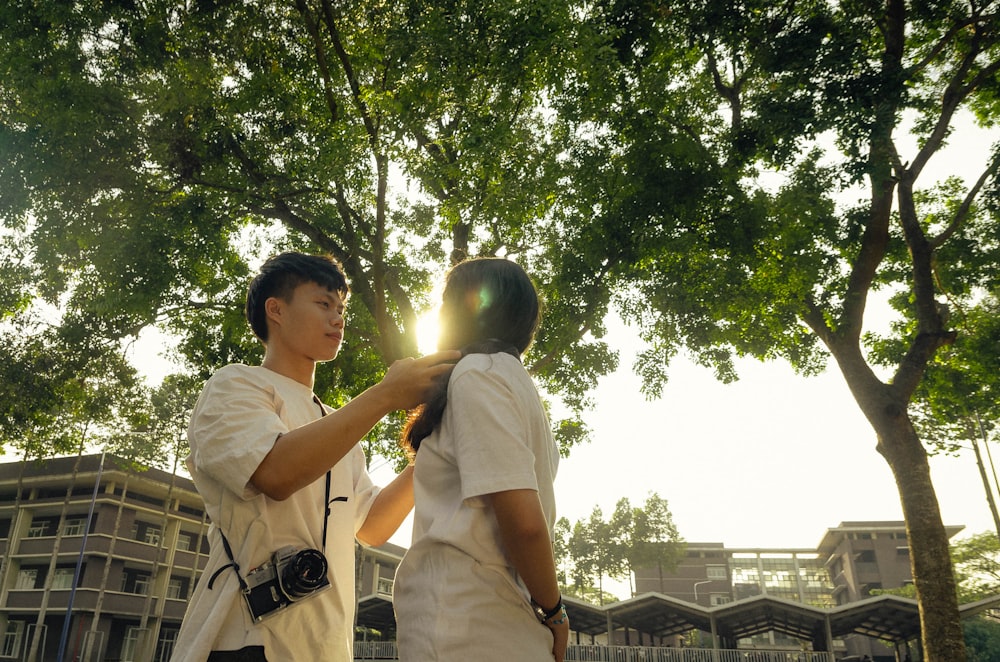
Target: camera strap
x: 229, y: 550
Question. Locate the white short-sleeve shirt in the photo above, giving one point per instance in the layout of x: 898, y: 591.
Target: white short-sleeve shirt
x: 241, y: 412
x: 456, y: 594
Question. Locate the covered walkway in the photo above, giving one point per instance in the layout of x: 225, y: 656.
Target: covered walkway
x: 650, y: 618
x: 890, y: 618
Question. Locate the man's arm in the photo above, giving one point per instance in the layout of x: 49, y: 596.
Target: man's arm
x: 393, y: 503
x: 304, y: 454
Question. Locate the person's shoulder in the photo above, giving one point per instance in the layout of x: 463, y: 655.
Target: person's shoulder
x: 238, y: 375
x: 235, y: 371
x: 499, y: 364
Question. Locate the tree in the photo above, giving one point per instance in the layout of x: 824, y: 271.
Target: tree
x: 959, y: 398
x: 977, y: 564
x: 573, y: 550
x: 590, y: 550
x: 756, y: 190
x: 982, y: 639
x: 200, y: 137
x: 646, y: 536
x: 603, y: 556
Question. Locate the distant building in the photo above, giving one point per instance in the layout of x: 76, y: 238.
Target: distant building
x: 139, y: 539
x: 135, y: 542
x: 851, y: 560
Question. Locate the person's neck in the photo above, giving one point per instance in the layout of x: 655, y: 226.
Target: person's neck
x: 304, y: 372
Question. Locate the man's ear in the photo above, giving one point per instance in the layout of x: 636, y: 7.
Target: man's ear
x: 273, y: 307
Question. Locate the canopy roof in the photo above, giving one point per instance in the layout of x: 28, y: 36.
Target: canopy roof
x: 888, y: 617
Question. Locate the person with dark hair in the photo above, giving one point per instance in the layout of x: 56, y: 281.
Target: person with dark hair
x: 479, y: 579
x: 284, y: 481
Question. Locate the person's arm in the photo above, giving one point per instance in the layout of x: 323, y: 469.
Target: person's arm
x: 393, y: 503
x: 302, y: 455
x: 525, y: 536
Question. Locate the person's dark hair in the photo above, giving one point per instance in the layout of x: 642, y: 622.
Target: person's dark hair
x: 281, y: 274
x: 489, y: 305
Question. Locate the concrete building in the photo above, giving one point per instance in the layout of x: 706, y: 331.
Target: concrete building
x: 97, y: 560
x: 851, y: 561
x: 135, y: 542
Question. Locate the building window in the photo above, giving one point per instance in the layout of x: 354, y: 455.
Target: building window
x: 715, y: 571
x: 39, y: 529
x: 130, y: 645
x: 27, y: 579
x: 719, y: 599
x: 141, y: 584
x: 134, y: 581
x: 175, y: 588
x: 75, y: 526
x: 865, y: 556
x: 147, y: 533
x: 165, y: 647
x: 62, y: 578
x: 12, y: 637
x: 185, y: 541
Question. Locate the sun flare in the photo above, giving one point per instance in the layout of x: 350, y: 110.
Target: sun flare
x: 427, y: 332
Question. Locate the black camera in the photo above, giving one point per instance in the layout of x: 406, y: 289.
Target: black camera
x: 291, y: 575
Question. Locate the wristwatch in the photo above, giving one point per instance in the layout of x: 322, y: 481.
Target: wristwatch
x: 544, y: 614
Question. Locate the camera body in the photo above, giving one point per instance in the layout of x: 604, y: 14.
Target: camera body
x: 291, y: 575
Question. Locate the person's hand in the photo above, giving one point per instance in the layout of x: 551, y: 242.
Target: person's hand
x: 411, y: 381
x: 559, y: 625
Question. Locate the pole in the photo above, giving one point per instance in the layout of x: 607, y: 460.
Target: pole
x: 696, y: 585
x: 982, y: 472
x: 79, y: 564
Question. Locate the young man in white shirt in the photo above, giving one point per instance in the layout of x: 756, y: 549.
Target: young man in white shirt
x: 278, y: 470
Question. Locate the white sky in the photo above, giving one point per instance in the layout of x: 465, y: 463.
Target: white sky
x: 772, y: 460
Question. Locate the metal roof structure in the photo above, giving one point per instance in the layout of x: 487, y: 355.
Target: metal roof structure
x: 375, y: 612
x: 887, y: 617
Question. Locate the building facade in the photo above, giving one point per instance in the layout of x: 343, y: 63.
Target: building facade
x: 851, y: 561
x: 97, y: 560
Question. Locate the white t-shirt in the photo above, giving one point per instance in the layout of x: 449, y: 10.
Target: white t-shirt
x: 241, y: 412
x: 457, y: 596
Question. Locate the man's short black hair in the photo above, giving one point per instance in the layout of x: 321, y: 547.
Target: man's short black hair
x: 281, y: 274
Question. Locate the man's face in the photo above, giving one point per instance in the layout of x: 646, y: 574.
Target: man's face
x: 311, y: 324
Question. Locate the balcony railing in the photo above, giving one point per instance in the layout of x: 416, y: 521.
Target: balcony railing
x: 386, y: 650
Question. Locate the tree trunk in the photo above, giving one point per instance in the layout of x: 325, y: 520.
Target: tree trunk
x: 930, y: 560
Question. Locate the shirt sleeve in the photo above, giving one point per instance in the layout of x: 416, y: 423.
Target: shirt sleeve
x: 233, y: 426
x: 365, y: 491
x: 490, y: 433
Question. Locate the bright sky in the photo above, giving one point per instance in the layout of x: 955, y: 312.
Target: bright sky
x: 772, y: 460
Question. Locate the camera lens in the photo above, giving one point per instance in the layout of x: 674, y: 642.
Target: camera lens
x: 305, y: 572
